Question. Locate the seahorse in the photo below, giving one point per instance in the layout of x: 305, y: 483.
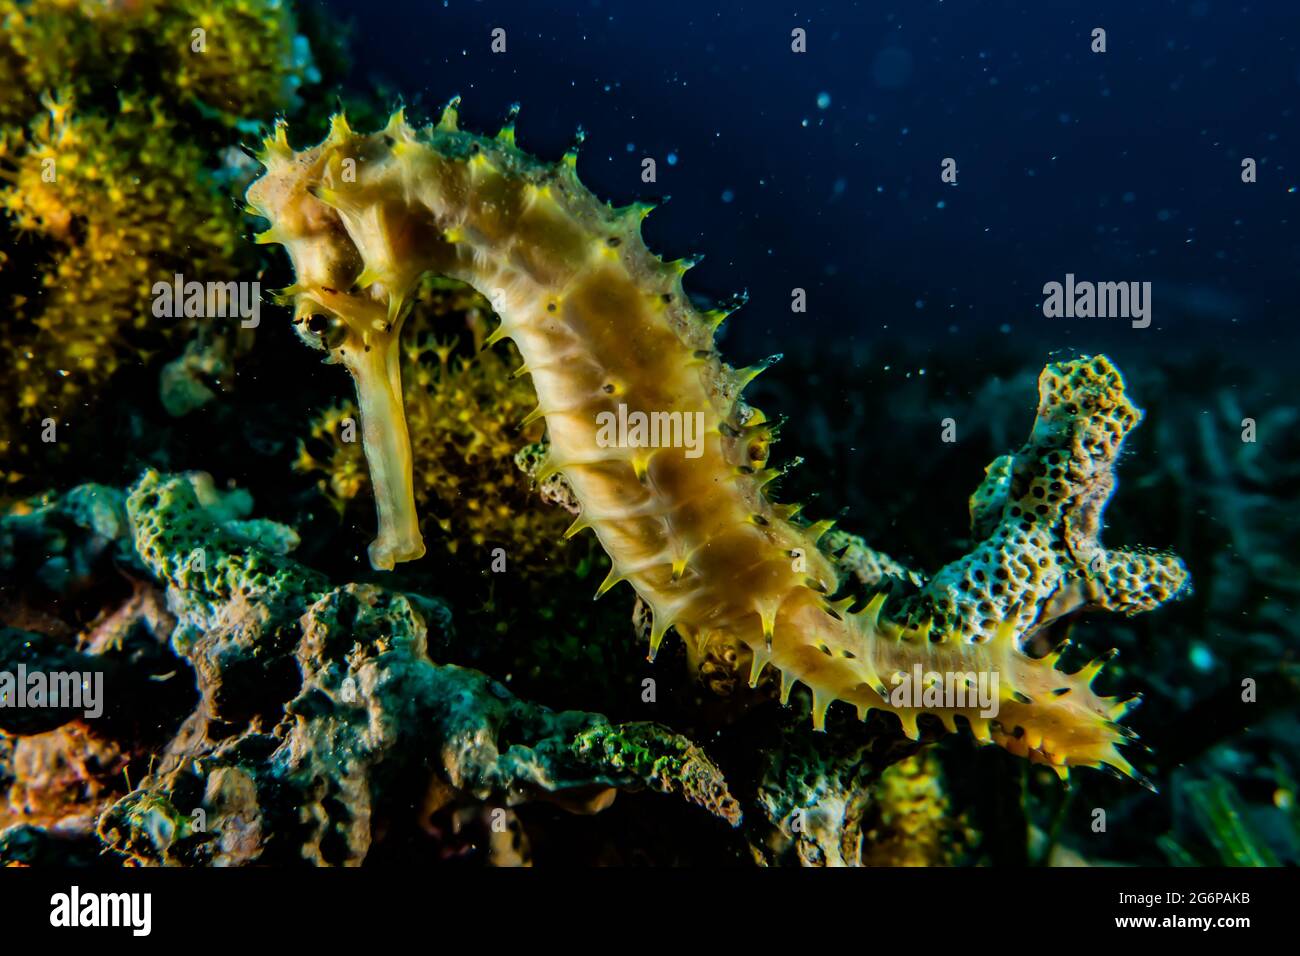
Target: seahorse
x: 602, y: 322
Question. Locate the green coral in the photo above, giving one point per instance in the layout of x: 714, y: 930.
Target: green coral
x: 189, y: 537
x: 318, y: 707
x: 669, y: 763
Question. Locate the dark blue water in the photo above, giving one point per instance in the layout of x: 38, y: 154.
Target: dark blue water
x: 822, y: 170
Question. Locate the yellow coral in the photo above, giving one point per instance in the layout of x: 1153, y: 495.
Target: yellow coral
x: 105, y: 183
x: 910, y: 822
x: 121, y: 202
x: 238, y: 57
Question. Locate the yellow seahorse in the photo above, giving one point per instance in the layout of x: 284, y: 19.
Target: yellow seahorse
x: 601, y: 322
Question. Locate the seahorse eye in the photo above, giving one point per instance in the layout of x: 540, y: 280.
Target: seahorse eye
x: 328, y: 331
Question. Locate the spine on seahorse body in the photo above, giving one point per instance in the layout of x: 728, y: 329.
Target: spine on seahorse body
x: 604, y: 329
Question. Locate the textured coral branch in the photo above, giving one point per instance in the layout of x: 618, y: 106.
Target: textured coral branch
x: 1038, y: 518
x: 311, y: 722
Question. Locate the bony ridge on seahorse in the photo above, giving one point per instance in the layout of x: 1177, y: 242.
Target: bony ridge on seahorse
x: 601, y: 322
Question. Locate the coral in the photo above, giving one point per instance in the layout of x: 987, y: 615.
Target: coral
x: 248, y: 60
x: 63, y: 558
x: 109, y: 162
x: 102, y: 209
x: 464, y: 412
x: 183, y: 384
x: 814, y: 791
x: 320, y: 722
x: 604, y: 326
x: 868, y: 567
x: 51, y: 546
x: 911, y: 822
x: 666, y: 764
x: 840, y: 800
x: 1038, y: 513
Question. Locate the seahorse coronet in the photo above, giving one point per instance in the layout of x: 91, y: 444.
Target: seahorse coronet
x: 603, y: 325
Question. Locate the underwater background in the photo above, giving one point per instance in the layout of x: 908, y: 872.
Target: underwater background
x: 819, y: 171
